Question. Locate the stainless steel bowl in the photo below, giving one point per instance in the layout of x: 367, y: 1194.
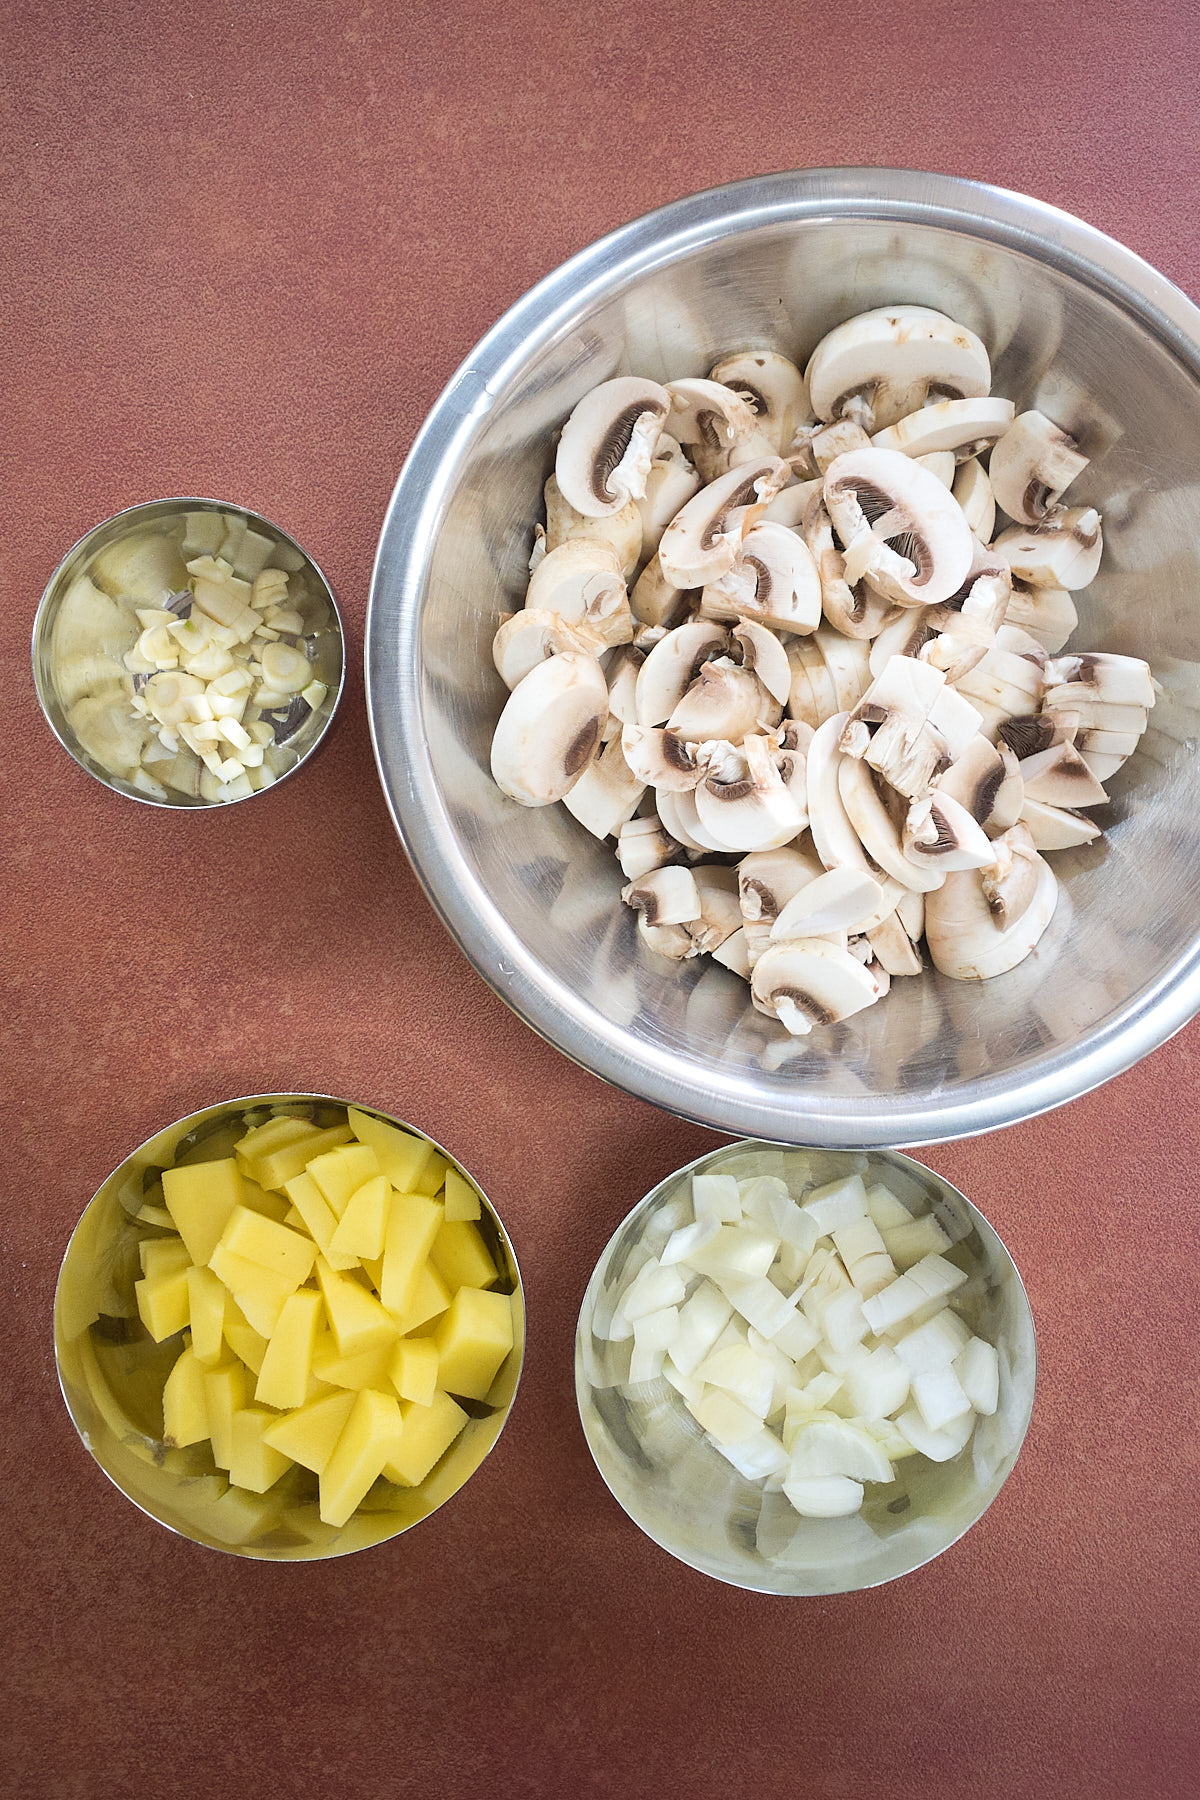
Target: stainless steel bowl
x: 684, y: 1494
x: 95, y: 672
x: 111, y: 1372
x: 1077, y: 326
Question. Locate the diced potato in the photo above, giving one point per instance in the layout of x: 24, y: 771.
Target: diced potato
x: 200, y: 1199
x: 473, y: 1338
x: 207, y: 1299
x: 362, y: 1227
x: 271, y: 1206
x: 413, y: 1223
x: 162, y: 1303
x: 240, y: 1335
x: 339, y: 1173
x: 369, y: 1437
x: 263, y: 1139
x: 319, y: 1218
x: 247, y: 1234
x: 224, y: 1394
x: 425, y: 1436
x: 278, y: 1167
x: 403, y: 1158
x: 295, y: 1219
x: 160, y: 1256
x: 462, y: 1201
x: 414, y: 1370
x: 185, y: 1415
x: 461, y: 1257
x: 366, y: 1368
x: 253, y: 1463
x: 259, y: 1292
x: 356, y: 1318
x: 430, y: 1298
x: 283, y: 1378
x: 309, y: 1435
x: 430, y: 1180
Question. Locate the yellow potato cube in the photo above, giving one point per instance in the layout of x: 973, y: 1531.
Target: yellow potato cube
x: 259, y: 1292
x: 473, y: 1338
x: 461, y: 1257
x: 245, y: 1342
x: 207, y: 1299
x: 224, y: 1395
x: 403, y: 1158
x: 260, y: 1141
x: 363, y: 1225
x: 155, y: 1215
x: 200, y: 1199
x: 413, y: 1223
x: 309, y: 1434
x: 162, y: 1302
x: 432, y: 1176
x: 369, y: 1436
x: 414, y: 1370
x: 365, y: 1368
x: 160, y: 1256
x: 295, y: 1219
x: 283, y: 1377
x: 462, y: 1201
x: 253, y: 1463
x: 431, y: 1297
x: 247, y: 1234
x: 339, y: 1173
x: 271, y: 1206
x: 280, y: 1166
x: 425, y: 1436
x: 185, y: 1415
x: 319, y: 1218
x: 356, y: 1318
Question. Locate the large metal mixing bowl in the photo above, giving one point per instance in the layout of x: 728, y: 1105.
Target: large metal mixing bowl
x: 1077, y: 326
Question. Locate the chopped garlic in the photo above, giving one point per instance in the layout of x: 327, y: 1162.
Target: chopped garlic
x: 233, y: 733
x: 314, y: 694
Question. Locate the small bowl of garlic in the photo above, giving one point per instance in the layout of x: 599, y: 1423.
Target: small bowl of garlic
x: 805, y: 1371
x: 188, y: 653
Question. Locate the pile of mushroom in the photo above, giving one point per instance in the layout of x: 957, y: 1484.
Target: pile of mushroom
x: 775, y: 648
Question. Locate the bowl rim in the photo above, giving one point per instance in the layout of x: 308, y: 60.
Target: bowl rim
x: 40, y: 626
x: 212, y: 1112
x: 511, y: 968
x: 647, y: 1203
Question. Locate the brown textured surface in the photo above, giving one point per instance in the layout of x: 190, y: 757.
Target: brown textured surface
x: 245, y: 246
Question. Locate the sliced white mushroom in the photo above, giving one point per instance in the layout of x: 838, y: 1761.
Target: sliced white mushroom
x: 733, y: 954
x: 763, y: 653
x: 973, y: 491
x: 772, y: 579
x: 673, y: 664
x: 1105, y: 752
x: 1056, y: 827
x: 839, y: 900
x: 906, y: 632
x: 873, y: 496
x: 769, y: 879
x: 834, y: 837
x: 1060, y: 777
x: 1063, y: 552
x: 828, y: 442
x: 889, y: 727
x: 726, y: 700
x: 643, y: 845
x: 981, y: 923
x: 661, y: 759
x: 1006, y: 682
x: 811, y: 699
x: 1046, y: 613
x: 965, y: 425
x: 670, y: 484
x: 719, y: 915
x: 941, y: 834
x: 718, y: 427
x: 621, y: 530
x: 680, y: 819
x: 985, y: 780
x: 811, y: 982
x: 529, y: 637
x: 672, y: 941
x: 550, y: 728
x: 607, y: 445
x: 892, y: 947
x: 581, y: 582
x: 789, y: 505
x: 657, y: 601
x: 1031, y: 465
x: 1101, y: 675
x: 702, y: 540
x: 621, y: 673
x: 848, y: 661
x: 744, y: 803
x: 879, y: 366
x: 607, y: 794
x: 772, y: 387
x: 664, y: 897
x: 855, y: 611
x: 940, y: 463
x: 879, y: 830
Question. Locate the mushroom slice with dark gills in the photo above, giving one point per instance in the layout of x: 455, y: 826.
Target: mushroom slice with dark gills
x: 772, y: 387
x: 607, y: 445
x: 966, y: 625
x: 670, y: 484
x: 941, y: 834
x: 661, y: 759
x: 811, y: 981
x: 1058, y: 776
x: 965, y: 426
x: 719, y: 915
x: 769, y: 879
x: 673, y: 664
x: 985, y: 779
x: 1057, y: 827
x: 664, y: 897
x: 1046, y: 613
x: 1031, y: 465
x: 877, y: 814
x: 880, y: 365
x: 701, y: 542
x: 763, y: 653
x: 550, y: 729
x: 608, y: 792
x: 855, y: 611
x: 621, y: 530
x: 772, y: 580
x: 529, y: 637
x: 744, y: 802
x: 1063, y: 551
x: 983, y: 922
x: 900, y: 528
x: 716, y: 426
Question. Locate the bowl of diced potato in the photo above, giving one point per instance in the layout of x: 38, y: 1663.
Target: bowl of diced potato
x: 289, y: 1327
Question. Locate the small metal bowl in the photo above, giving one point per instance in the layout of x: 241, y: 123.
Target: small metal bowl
x: 684, y: 1495
x: 111, y: 1372
x: 79, y: 676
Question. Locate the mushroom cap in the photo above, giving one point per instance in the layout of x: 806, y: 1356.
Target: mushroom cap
x: 581, y: 581
x: 890, y: 361
x: 644, y: 844
x: 725, y: 701
x: 948, y: 425
x: 550, y: 728
x: 942, y: 834
x: 657, y: 601
x: 744, y: 804
x: 810, y: 981
x: 701, y: 541
x: 1056, y: 827
x: 773, y: 580
x: 607, y: 444
x: 838, y: 900
x: 763, y: 653
x: 661, y: 759
x: 768, y: 879
x: 670, y: 484
x: 529, y: 637
x: 772, y: 387
x: 622, y: 530
x: 1031, y: 465
x: 878, y: 831
x: 673, y: 664
x: 966, y: 939
x: 973, y: 491
x: 1063, y: 551
x: 889, y: 495
x: 607, y: 794
x: 666, y: 896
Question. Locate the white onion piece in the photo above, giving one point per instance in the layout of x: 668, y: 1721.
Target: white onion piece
x: 840, y: 1203
x: 933, y: 1345
x: 939, y: 1397
x: 717, y: 1197
x: 978, y: 1369
x: 832, y: 1498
